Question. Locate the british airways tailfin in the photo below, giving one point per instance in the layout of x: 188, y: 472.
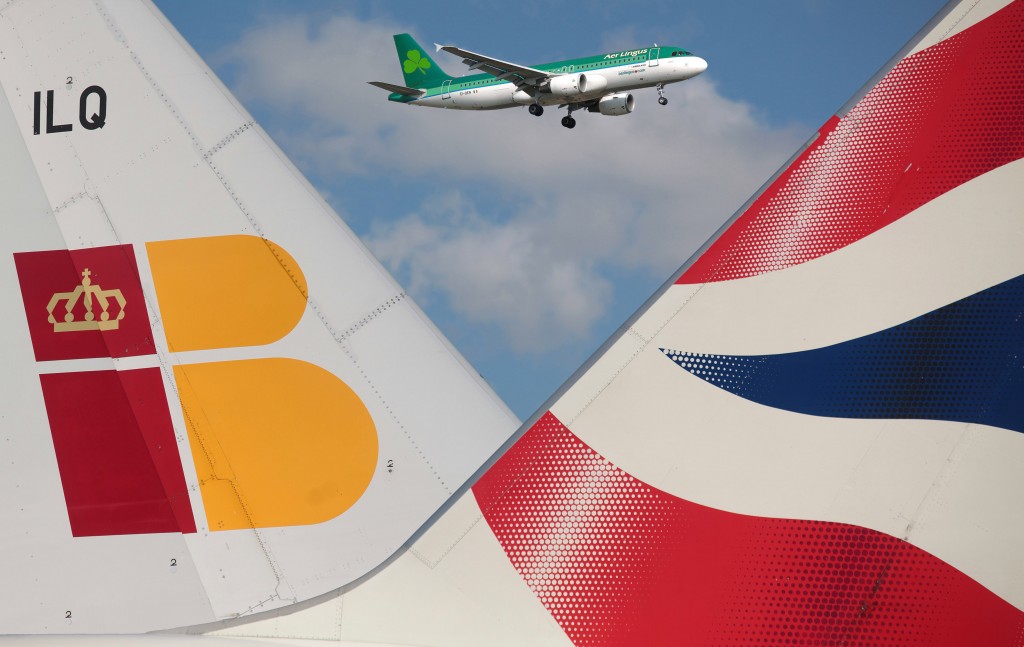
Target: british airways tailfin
x: 812, y: 434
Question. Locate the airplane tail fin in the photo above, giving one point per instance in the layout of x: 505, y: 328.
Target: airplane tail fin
x: 420, y: 70
x: 215, y: 400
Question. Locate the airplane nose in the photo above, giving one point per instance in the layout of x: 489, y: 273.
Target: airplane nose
x: 698, y: 64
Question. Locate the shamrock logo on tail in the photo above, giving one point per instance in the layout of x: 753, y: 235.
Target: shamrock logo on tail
x: 415, y: 61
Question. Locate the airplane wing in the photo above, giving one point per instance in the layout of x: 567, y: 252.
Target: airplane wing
x: 398, y: 89
x: 523, y: 77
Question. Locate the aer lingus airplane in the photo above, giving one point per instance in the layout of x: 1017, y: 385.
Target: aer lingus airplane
x: 601, y: 83
x: 223, y: 424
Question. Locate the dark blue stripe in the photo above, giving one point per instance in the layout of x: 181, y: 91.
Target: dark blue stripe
x: 963, y: 362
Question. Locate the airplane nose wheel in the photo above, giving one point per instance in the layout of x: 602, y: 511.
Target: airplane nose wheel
x: 661, y: 94
x: 536, y: 109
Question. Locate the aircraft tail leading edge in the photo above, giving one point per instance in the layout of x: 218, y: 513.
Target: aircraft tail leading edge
x: 812, y: 435
x: 203, y: 413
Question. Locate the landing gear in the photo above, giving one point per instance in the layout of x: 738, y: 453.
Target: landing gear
x: 661, y: 94
x: 536, y: 109
x: 567, y: 120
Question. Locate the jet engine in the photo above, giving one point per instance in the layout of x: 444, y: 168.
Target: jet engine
x: 593, y: 83
x: 615, y: 104
x: 570, y: 85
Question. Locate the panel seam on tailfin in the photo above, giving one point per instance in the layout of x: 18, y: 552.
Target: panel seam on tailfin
x: 230, y: 137
x: 342, y: 338
x: 69, y: 202
x: 342, y: 343
x: 432, y: 563
x: 120, y: 37
x: 7, y: 5
x: 644, y: 343
x: 958, y: 20
x: 376, y: 312
x: 145, y: 73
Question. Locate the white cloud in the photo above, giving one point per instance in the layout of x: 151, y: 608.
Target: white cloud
x: 633, y: 193
x: 502, y: 274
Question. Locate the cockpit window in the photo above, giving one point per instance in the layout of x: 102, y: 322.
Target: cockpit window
x: 681, y: 52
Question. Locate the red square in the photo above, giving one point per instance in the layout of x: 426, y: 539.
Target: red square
x: 116, y: 452
x: 84, y: 303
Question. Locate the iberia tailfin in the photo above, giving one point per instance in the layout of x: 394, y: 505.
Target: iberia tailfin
x: 216, y: 401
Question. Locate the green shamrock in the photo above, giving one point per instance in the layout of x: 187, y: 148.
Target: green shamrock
x: 415, y: 61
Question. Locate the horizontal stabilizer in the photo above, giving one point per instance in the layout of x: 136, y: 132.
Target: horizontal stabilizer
x: 398, y: 89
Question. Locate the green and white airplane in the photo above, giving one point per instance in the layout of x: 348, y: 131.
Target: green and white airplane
x: 599, y: 83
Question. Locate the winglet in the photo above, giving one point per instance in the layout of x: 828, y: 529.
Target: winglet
x: 438, y: 47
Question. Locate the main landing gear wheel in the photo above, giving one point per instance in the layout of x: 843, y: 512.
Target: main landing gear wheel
x: 568, y: 122
x: 661, y: 94
x: 536, y: 109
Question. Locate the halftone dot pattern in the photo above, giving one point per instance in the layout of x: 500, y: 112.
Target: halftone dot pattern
x: 963, y: 362
x: 939, y: 118
x: 618, y: 562
x: 585, y: 537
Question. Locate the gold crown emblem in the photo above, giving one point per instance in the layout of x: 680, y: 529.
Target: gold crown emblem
x: 90, y: 292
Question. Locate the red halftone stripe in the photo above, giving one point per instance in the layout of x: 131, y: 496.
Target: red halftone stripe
x: 618, y: 562
x: 116, y: 452
x: 938, y: 119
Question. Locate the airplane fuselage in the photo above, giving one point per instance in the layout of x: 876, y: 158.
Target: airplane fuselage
x: 605, y: 75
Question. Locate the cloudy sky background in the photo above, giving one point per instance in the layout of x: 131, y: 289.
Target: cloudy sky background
x: 529, y: 244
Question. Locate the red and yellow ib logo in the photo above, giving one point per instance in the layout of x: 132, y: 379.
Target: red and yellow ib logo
x: 275, y: 441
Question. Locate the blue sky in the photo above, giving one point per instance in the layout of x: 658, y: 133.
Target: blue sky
x: 529, y: 244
